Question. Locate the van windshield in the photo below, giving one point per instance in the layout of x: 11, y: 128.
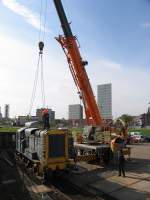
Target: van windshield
x: 135, y: 133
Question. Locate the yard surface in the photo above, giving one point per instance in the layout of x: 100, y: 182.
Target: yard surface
x: 136, y: 184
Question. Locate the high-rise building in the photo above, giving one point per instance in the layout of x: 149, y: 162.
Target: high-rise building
x: 104, y: 99
x: 0, y: 113
x: 6, y: 111
x: 146, y: 119
x: 51, y: 114
x: 75, y: 112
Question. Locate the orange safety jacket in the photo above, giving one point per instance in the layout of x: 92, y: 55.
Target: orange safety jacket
x: 44, y: 112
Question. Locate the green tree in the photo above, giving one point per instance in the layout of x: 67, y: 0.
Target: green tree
x: 127, y: 118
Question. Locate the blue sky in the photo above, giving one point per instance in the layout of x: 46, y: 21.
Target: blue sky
x: 114, y: 36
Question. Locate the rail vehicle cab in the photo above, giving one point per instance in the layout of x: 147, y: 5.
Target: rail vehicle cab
x: 56, y: 149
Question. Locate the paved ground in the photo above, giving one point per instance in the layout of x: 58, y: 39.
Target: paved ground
x: 104, y: 182
x: 136, y: 184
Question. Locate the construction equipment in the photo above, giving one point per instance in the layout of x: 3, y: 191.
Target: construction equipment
x: 77, y: 65
x: 97, y: 130
x: 44, y: 150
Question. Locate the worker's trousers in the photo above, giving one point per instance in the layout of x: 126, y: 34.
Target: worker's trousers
x: 46, y: 124
x: 121, y: 169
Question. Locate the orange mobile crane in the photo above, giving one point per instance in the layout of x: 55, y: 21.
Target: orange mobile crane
x: 97, y: 128
x: 77, y: 68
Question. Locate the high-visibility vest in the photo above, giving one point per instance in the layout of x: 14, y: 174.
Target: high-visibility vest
x: 45, y: 111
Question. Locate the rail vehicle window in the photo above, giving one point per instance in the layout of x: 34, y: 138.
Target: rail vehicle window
x: 56, y: 145
x: 17, y: 138
x: 13, y: 138
x: 22, y: 135
x: 27, y: 141
x: 34, y: 142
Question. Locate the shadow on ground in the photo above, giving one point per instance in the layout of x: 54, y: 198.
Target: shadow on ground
x: 11, y: 184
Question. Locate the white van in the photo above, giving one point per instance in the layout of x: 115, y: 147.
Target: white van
x: 136, y: 136
x: 135, y: 133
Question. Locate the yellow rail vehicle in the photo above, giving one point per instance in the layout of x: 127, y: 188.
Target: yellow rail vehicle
x: 45, y: 149
x: 56, y: 149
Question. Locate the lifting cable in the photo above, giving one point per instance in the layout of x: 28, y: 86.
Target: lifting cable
x: 42, y: 76
x: 43, y: 20
x: 39, y: 67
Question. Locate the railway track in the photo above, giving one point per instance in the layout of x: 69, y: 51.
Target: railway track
x: 58, y: 189
x: 36, y: 187
x: 10, y: 182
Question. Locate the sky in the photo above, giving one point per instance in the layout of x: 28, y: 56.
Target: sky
x: 114, y: 37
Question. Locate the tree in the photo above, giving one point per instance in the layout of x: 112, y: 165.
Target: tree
x: 127, y: 118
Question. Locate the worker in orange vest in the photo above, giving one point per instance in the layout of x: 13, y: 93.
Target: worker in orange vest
x: 45, y: 117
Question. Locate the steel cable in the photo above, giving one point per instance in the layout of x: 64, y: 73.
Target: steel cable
x: 34, y: 86
x: 42, y: 83
x: 42, y: 30
x: 45, y: 20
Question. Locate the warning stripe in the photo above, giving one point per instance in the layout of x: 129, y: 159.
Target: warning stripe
x: 85, y: 157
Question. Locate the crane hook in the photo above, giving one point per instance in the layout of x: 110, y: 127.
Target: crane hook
x: 41, y: 46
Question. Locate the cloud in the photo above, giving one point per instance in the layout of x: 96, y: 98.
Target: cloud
x: 146, y: 25
x: 109, y: 64
x: 28, y: 15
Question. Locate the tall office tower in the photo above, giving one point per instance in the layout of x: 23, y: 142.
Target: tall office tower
x: 75, y: 112
x: 0, y: 113
x: 104, y: 99
x: 6, y: 111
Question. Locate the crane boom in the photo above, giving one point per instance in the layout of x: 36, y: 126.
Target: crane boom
x: 77, y: 68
